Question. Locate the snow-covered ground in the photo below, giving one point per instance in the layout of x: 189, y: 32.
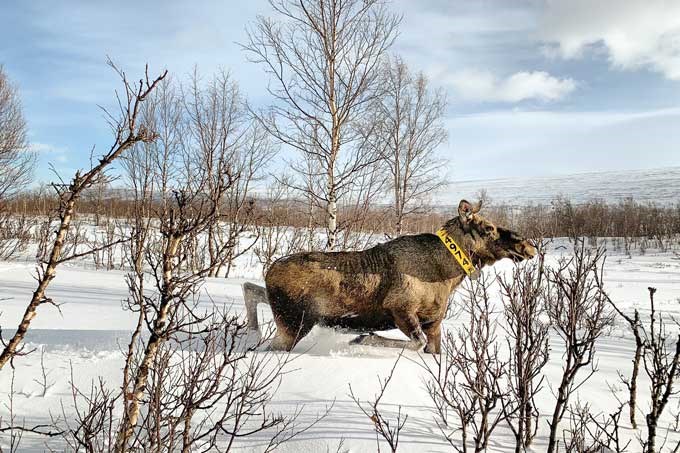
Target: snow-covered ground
x: 87, y: 333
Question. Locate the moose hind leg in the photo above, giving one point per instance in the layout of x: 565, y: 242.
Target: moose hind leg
x: 289, y: 334
x: 252, y: 296
x: 294, y: 319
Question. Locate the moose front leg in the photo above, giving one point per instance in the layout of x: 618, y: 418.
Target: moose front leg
x: 434, y: 337
x: 408, y: 323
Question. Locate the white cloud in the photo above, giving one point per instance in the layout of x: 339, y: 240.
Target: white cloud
x: 484, y: 86
x: 44, y: 148
x: 633, y: 33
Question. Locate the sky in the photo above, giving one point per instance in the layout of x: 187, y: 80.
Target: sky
x: 534, y: 88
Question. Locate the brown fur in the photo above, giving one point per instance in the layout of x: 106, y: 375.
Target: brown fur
x: 404, y: 283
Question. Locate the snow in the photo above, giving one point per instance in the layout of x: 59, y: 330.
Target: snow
x: 86, y: 333
x: 659, y: 186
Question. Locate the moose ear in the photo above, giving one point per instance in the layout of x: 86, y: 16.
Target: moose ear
x: 465, y: 210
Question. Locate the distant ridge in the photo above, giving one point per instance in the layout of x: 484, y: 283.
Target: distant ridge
x: 660, y: 186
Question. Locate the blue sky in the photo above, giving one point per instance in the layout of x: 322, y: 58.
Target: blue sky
x: 535, y: 87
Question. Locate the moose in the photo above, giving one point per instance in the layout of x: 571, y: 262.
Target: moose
x: 404, y: 283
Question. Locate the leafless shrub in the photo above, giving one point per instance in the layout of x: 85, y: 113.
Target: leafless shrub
x: 206, y: 389
x: 467, y: 382
x: 587, y: 433
x: 17, y: 428
x: 276, y: 237
x: 43, y: 380
x: 354, y: 230
x: 523, y: 295
x: 577, y: 307
x: 660, y: 361
x: 15, y: 234
x: 92, y: 426
x: 108, y: 241
x: 609, y: 426
x: 637, y: 329
x: 388, y: 430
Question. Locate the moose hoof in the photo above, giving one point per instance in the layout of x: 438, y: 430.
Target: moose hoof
x: 363, y: 339
x: 372, y: 339
x: 431, y: 350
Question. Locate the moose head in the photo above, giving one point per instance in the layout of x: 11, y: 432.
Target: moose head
x: 488, y: 242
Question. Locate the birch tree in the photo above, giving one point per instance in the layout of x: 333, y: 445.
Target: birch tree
x: 324, y: 59
x: 16, y: 161
x: 16, y: 167
x: 408, y: 130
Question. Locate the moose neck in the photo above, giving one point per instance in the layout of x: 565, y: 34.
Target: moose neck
x: 463, y: 235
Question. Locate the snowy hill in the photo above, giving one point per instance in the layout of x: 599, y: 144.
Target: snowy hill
x: 661, y: 186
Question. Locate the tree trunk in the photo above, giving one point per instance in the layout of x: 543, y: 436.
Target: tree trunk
x: 332, y: 222
x: 632, y: 402
x: 155, y: 340
x: 38, y: 298
x: 651, y: 434
x: 557, y: 417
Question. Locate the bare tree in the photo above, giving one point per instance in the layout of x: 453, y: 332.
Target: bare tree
x: 190, y: 380
x: 127, y: 132
x: 219, y: 138
x: 407, y: 130
x: 16, y: 161
x: 660, y: 360
x: 577, y: 307
x: 468, y: 378
x: 16, y: 168
x: 277, y: 238
x: 324, y: 58
x: 527, y: 337
x: 190, y: 193
x: 637, y: 329
x: 181, y: 220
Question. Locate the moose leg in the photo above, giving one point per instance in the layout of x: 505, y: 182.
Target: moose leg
x: 372, y: 339
x: 408, y: 323
x: 433, y: 331
x: 293, y: 319
x: 282, y: 341
x: 253, y: 295
x: 287, y: 335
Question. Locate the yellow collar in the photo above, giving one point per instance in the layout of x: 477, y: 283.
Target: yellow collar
x: 457, y: 251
